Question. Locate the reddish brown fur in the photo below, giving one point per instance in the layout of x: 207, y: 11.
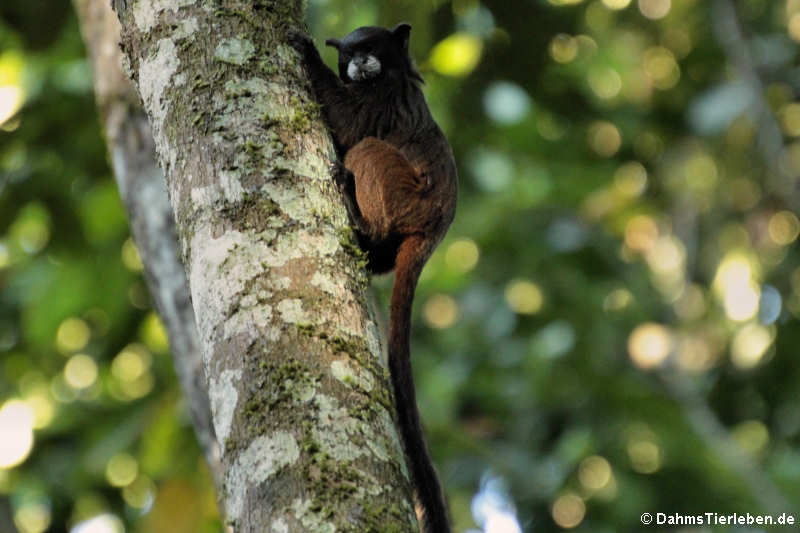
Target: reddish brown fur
x: 389, y: 192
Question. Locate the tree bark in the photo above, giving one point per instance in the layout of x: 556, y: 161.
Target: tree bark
x: 299, y: 394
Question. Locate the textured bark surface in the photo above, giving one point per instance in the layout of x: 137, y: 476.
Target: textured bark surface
x: 143, y: 190
x: 299, y: 395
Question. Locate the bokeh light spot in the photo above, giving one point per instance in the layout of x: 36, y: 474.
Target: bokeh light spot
x: 734, y: 269
x: 11, y: 99
x: 492, y: 507
x: 604, y: 138
x: 563, y: 48
x: 16, y: 428
x: 616, y: 4
x: 661, y: 67
x: 130, y: 256
x: 139, y: 494
x: 631, y: 179
x: 154, y: 334
x: 641, y: 233
x: 33, y: 517
x: 617, y: 300
x: 568, y: 510
x: 12, y: 95
x: 655, y: 9
x: 43, y: 408
x: 121, y: 470
x: 554, y: 340
x: 794, y: 27
x: 72, y: 335
x: 679, y: 40
x: 80, y: 372
x: 31, y: 229
x: 456, y: 55
x: 131, y: 370
x: 5, y: 256
x: 701, y: 172
x: 594, y: 473
x: 506, y: 102
x: 440, y: 311
x: 741, y: 301
x: 649, y: 345
x: 734, y: 282
x: 790, y: 119
x: 462, y: 255
x: 750, y: 344
x: 667, y: 257
x: 524, y: 297
x: 130, y: 363
x: 770, y: 305
x: 502, y: 522
x: 644, y: 455
x: 605, y: 82
x: 492, y: 170
x: 784, y: 227
x: 752, y: 436
x: 104, y: 523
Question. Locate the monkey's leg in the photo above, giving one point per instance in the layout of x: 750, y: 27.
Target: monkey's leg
x: 388, y: 188
x: 345, y: 182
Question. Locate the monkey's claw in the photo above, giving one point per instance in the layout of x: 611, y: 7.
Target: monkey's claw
x: 299, y: 41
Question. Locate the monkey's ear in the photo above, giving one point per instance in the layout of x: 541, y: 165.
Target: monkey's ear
x: 401, y: 33
x: 336, y: 43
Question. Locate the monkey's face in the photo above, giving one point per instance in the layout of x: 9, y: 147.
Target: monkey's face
x: 371, y: 53
x: 362, y: 66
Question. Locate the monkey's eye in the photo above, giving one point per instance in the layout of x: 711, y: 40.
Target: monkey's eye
x: 365, y: 50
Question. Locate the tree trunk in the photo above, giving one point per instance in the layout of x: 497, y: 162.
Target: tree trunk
x: 299, y: 395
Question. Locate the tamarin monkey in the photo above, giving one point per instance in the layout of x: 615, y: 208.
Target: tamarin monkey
x: 400, y: 185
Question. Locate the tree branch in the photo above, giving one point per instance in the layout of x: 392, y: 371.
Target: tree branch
x: 143, y: 191
x: 708, y: 426
x: 770, y: 139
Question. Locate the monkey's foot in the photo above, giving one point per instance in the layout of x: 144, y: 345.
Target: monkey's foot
x: 343, y: 178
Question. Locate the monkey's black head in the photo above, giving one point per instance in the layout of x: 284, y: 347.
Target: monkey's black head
x: 371, y: 53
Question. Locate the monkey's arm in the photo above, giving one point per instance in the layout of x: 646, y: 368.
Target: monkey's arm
x: 322, y: 78
x: 328, y: 88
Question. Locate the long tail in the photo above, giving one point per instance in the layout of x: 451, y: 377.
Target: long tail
x: 411, y: 258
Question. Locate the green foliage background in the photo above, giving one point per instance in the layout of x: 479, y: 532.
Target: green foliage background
x: 610, y: 327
